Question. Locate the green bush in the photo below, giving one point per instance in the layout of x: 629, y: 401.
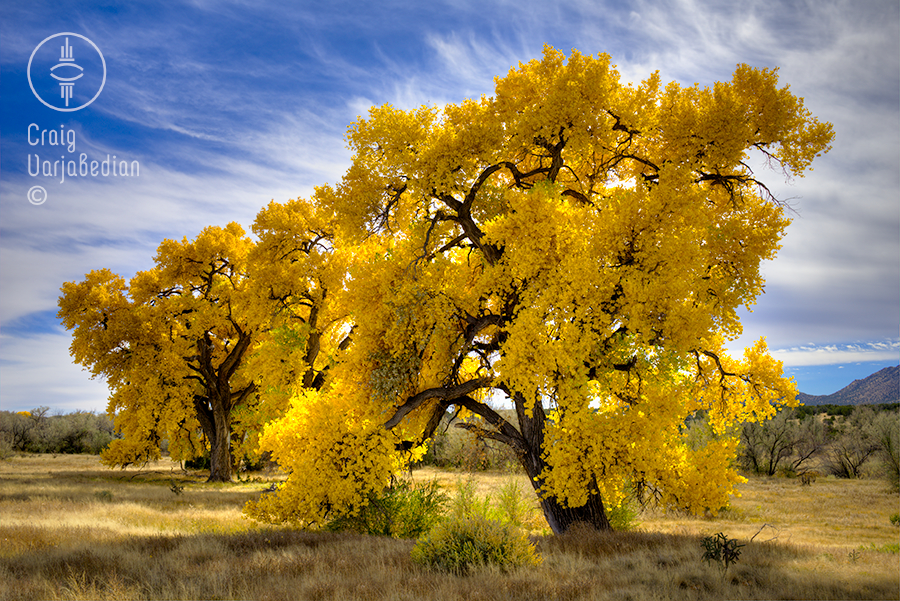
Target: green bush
x: 465, y: 503
x: 404, y: 510
x: 458, y: 545
x: 511, y: 506
x: 721, y: 550
x: 480, y: 532
x: 622, y: 517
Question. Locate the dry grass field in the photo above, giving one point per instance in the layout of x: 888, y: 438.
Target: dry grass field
x: 71, y: 529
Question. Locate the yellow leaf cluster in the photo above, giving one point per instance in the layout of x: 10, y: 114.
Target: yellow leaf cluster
x: 644, y: 441
x: 573, y: 245
x: 346, y: 454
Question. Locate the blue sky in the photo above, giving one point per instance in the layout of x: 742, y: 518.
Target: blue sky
x: 228, y: 105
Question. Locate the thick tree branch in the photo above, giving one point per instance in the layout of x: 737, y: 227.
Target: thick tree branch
x: 505, y: 432
x: 447, y: 394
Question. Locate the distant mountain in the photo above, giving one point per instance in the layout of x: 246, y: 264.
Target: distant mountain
x: 881, y: 387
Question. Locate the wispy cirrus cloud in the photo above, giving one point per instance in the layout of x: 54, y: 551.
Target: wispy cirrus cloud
x: 833, y: 354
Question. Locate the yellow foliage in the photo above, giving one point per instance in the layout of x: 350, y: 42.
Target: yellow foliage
x: 572, y: 245
x: 174, y: 343
x: 346, y: 455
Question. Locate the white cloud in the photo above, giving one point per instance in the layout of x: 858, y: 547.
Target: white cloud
x: 809, y: 355
x: 37, y: 371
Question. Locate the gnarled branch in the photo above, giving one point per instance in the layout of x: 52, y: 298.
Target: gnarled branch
x: 442, y: 393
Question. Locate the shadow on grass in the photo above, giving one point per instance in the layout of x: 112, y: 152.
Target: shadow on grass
x: 290, y: 564
x: 143, y: 488
x: 765, y: 570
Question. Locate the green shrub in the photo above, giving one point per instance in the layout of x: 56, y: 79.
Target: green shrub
x: 510, y: 507
x: 458, y: 545
x: 465, y: 503
x: 401, y: 511
x: 622, y: 516
x: 514, y: 507
x: 721, y: 550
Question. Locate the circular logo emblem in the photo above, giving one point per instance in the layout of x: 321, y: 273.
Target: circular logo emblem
x: 37, y: 195
x: 67, y: 75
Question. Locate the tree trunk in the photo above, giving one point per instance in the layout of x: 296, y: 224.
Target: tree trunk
x: 559, y: 517
x: 216, y: 424
x: 214, y: 406
x: 220, y: 446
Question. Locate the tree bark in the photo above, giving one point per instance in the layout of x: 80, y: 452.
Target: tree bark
x: 216, y: 425
x: 559, y: 517
x: 220, y: 445
x: 215, y: 406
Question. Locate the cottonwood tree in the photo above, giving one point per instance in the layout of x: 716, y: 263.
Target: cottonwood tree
x: 172, y: 346
x: 209, y: 339
x: 573, y: 246
x: 294, y: 274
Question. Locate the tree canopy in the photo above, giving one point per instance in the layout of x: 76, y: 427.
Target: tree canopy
x: 171, y: 345
x: 573, y: 246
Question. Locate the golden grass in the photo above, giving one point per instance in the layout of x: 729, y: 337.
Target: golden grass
x: 831, y: 512
x: 70, y: 529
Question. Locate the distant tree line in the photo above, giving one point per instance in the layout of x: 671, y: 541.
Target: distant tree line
x: 844, y: 441
x: 840, y: 410
x: 36, y: 431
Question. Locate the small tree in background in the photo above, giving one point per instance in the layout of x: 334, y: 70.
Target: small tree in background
x: 19, y: 429
x: 855, y: 441
x: 766, y: 445
x: 886, y: 432
x: 783, y: 442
